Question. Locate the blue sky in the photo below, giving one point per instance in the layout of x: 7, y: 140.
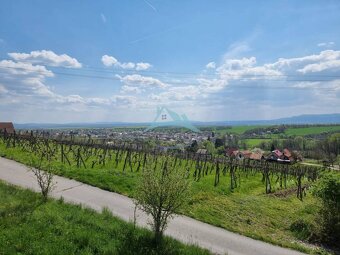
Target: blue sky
x: 85, y: 61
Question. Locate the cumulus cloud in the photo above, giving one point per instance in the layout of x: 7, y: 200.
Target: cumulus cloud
x: 142, y: 66
x: 112, y: 61
x: 143, y: 81
x: 109, y: 60
x: 124, y: 101
x: 46, y: 57
x: 128, y: 65
x: 318, y: 67
x: 131, y: 89
x: 10, y: 68
x: 233, y: 69
x: 302, y: 64
x: 25, y: 83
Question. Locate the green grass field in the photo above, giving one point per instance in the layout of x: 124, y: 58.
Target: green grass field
x: 311, y: 130
x: 237, y: 129
x: 252, y: 143
x: 290, y: 131
x: 28, y: 226
x: 247, y: 210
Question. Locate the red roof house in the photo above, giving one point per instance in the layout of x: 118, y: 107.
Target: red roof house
x: 7, y: 126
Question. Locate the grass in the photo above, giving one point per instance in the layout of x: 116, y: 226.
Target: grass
x: 28, y: 226
x: 290, y: 131
x: 238, y: 129
x: 247, y: 210
x: 255, y: 142
x: 311, y: 130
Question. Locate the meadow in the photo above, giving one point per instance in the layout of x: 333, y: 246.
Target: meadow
x: 301, y: 131
x: 29, y: 226
x: 289, y: 131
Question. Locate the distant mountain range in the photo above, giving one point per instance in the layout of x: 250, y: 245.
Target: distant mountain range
x: 301, y: 119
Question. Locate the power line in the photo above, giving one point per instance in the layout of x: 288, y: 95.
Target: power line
x: 125, y: 71
x: 249, y: 78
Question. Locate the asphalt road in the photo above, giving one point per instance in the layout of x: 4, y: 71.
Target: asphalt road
x: 182, y: 228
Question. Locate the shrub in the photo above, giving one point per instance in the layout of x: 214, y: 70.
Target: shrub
x: 303, y: 229
x: 328, y: 189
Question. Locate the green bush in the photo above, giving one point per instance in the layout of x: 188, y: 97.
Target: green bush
x: 328, y: 189
x: 303, y: 229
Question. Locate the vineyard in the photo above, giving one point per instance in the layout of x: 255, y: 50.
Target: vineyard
x: 248, y: 197
x: 132, y: 157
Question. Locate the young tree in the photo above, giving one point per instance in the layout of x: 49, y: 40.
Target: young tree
x: 160, y: 193
x: 44, y: 179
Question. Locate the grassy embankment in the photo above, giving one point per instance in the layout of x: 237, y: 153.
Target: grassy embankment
x: 247, y: 210
x: 28, y: 226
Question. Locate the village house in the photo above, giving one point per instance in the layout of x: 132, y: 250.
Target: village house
x: 7, y: 127
x: 282, y: 157
x: 256, y: 156
x: 274, y: 155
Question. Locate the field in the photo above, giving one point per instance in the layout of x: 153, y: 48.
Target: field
x: 290, y: 131
x: 28, y: 226
x: 311, y: 130
x: 255, y: 142
x: 246, y: 210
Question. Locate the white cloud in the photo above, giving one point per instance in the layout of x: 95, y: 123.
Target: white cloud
x: 326, y: 44
x: 298, y: 64
x: 318, y: 67
x: 123, y: 101
x: 142, y: 66
x: 128, y: 65
x: 144, y: 81
x: 131, y: 89
x: 109, y: 60
x: 233, y: 69
x: 112, y: 61
x: 11, y: 68
x: 212, y: 85
x: 211, y: 65
x: 46, y: 57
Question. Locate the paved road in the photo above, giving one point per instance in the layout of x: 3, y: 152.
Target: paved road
x: 183, y: 228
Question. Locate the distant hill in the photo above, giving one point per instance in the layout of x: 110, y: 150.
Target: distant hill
x: 301, y: 119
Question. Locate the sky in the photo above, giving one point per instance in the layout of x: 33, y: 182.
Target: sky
x: 117, y: 61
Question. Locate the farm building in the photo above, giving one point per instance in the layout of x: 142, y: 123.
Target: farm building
x: 7, y: 127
